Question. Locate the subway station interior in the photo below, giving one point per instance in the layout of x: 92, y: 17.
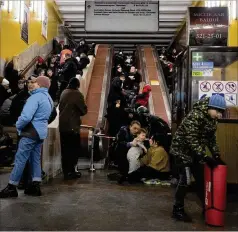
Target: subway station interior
x: 118, y: 115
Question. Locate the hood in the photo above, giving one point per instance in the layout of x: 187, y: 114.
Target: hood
x: 202, y: 105
x: 147, y: 88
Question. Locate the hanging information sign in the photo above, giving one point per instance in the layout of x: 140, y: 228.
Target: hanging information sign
x: 208, y: 26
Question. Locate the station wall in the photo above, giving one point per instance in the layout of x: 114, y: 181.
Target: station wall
x: 11, y: 43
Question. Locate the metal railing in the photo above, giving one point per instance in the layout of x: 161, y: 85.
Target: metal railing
x: 93, y: 132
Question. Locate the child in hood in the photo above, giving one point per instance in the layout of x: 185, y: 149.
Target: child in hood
x: 142, y: 98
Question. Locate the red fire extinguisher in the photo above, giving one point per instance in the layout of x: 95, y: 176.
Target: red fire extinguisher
x: 215, y: 194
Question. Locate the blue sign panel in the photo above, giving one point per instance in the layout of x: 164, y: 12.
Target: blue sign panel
x: 203, y: 65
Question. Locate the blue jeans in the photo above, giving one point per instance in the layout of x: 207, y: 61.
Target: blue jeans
x: 27, y: 149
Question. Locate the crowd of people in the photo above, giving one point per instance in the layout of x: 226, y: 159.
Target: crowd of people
x: 29, y: 104
x: 142, y: 149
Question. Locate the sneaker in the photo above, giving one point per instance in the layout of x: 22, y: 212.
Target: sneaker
x: 180, y: 215
x: 9, y: 191
x: 33, y: 189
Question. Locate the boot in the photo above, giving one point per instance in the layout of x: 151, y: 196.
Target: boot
x: 33, y: 189
x: 122, y: 179
x: 180, y: 215
x: 9, y: 191
x: 72, y: 175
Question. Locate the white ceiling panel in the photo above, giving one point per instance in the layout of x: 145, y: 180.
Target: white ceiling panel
x: 171, y: 15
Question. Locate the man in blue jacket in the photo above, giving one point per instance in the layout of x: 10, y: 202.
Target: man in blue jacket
x: 32, y: 127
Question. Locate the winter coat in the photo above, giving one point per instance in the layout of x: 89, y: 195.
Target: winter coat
x: 136, y: 75
x: 53, y: 87
x: 84, y: 61
x: 143, y: 98
x: 123, y: 139
x: 71, y: 107
x: 18, y: 103
x: 196, y: 132
x: 3, y: 95
x: 69, y: 70
x: 84, y: 48
x: 5, y: 108
x: 115, y: 92
x: 156, y: 158
x: 63, y: 52
x: 35, y: 115
x: 12, y: 76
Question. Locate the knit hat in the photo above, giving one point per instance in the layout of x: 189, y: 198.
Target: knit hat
x: 5, y: 82
x: 217, y: 102
x: 40, y: 60
x: 43, y: 82
x: 74, y: 83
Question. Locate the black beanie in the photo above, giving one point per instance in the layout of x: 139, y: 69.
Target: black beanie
x: 74, y: 83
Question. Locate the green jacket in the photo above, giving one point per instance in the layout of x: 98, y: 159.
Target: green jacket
x: 196, y: 132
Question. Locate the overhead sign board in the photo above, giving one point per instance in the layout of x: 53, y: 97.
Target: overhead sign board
x: 121, y: 16
x: 208, y: 26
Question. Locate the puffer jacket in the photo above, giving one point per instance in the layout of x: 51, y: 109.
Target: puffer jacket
x: 36, y: 112
x: 196, y: 132
x: 143, y: 98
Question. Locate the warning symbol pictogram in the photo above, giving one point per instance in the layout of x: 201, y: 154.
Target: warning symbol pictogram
x: 218, y: 87
x: 231, y: 87
x: 205, y: 86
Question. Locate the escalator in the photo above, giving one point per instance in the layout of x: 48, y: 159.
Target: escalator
x: 159, y: 102
x: 96, y: 101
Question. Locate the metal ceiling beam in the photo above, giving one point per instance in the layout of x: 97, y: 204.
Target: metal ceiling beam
x: 128, y: 40
x: 122, y: 35
x: 161, y: 30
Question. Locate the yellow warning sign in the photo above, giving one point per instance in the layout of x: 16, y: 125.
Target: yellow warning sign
x: 197, y: 73
x: 154, y: 82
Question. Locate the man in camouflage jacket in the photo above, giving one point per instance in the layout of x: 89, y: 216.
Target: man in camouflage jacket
x: 196, y: 132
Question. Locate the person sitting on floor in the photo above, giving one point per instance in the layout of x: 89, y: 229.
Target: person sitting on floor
x: 134, y: 153
x: 6, y: 154
x: 155, y: 164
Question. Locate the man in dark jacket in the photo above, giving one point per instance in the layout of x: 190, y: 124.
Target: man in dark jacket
x: 71, y: 107
x: 84, y: 61
x: 82, y: 47
x: 54, y: 84
x: 69, y: 71
x: 196, y: 132
x: 134, y: 75
x: 116, y: 91
x: 125, y: 139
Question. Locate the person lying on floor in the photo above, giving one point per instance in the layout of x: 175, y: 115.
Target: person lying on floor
x: 154, y: 165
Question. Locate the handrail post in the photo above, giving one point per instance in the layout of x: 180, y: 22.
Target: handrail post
x: 91, y: 168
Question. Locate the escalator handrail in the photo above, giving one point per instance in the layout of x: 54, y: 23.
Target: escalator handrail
x: 161, y: 72
x: 145, y: 77
x: 101, y: 122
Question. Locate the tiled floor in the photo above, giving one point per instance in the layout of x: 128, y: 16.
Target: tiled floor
x: 93, y: 203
